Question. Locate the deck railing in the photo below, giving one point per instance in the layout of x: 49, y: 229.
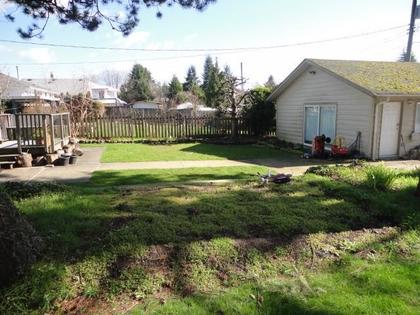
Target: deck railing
x: 50, y: 131
x: 5, y: 122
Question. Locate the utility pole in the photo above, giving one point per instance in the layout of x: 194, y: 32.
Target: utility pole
x: 411, y: 31
x: 17, y: 72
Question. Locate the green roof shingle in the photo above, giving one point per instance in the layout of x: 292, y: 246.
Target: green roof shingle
x: 380, y: 78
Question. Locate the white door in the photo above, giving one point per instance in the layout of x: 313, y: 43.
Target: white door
x: 390, y: 129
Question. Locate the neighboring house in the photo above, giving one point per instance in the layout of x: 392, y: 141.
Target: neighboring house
x: 146, y: 107
x: 21, y: 93
x: 104, y: 94
x: 188, y: 109
x: 381, y: 100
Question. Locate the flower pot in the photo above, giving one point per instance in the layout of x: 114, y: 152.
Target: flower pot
x: 73, y: 159
x: 63, y: 160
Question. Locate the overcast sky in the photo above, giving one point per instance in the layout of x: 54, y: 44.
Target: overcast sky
x: 225, y: 24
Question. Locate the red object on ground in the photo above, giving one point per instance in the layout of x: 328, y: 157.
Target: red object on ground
x: 339, y: 151
x: 318, y: 146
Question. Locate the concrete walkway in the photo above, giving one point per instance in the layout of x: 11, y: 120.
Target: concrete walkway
x: 81, y: 172
x: 90, y: 162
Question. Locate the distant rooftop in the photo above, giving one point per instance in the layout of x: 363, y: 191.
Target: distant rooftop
x: 71, y: 86
x: 11, y: 87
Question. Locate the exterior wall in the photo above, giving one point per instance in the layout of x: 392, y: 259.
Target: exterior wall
x: 354, y: 108
x: 103, y: 93
x: 410, y: 138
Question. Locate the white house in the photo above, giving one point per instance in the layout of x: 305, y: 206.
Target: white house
x: 146, y: 107
x: 19, y: 91
x: 381, y: 100
x: 104, y: 94
x: 189, y: 109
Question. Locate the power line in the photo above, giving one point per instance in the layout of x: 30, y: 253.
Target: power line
x: 154, y: 58
x: 203, y: 49
x: 106, y: 61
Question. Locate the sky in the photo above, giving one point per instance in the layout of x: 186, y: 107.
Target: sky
x: 224, y: 24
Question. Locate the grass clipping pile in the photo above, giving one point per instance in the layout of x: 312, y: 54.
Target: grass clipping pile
x: 19, y: 243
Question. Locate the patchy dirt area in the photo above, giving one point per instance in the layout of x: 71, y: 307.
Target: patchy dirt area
x: 177, y: 265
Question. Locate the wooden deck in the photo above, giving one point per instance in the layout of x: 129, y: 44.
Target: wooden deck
x: 34, y: 133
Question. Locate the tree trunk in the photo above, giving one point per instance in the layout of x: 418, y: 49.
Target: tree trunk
x: 19, y: 243
x: 234, y: 128
x: 418, y: 189
x: 234, y: 118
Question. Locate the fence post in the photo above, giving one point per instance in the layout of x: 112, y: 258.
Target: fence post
x: 68, y: 124
x: 62, y: 129
x: 52, y: 134
x: 18, y: 135
x: 44, y: 126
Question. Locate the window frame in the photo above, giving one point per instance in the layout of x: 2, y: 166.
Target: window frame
x: 318, y: 106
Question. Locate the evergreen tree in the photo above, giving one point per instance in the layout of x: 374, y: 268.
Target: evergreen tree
x: 175, y: 87
x: 208, y: 68
x: 271, y: 84
x: 213, y: 89
x: 227, y: 72
x: 138, y: 87
x: 404, y: 55
x: 191, y: 80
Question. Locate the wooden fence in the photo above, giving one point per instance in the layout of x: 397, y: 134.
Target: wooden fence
x: 158, y: 127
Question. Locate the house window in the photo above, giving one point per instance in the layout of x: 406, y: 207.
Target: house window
x: 319, y: 120
x: 417, y: 123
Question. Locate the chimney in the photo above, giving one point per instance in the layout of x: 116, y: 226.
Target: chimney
x: 51, y: 76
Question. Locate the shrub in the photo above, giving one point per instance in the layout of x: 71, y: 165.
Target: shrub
x: 416, y: 173
x: 20, y: 245
x: 259, y: 114
x: 19, y: 190
x: 380, y: 177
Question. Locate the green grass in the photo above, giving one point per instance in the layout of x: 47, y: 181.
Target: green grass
x: 361, y: 287
x: 153, y: 176
x: 223, y: 249
x: 189, y: 151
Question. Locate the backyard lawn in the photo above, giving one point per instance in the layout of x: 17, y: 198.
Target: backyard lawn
x: 136, y: 152
x: 154, y: 176
x: 326, y: 243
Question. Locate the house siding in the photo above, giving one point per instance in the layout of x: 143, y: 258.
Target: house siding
x: 354, y: 108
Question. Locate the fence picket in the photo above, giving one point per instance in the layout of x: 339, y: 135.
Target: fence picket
x: 146, y: 126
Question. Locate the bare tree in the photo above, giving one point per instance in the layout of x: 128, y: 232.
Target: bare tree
x: 231, y: 97
x: 113, y: 78
x: 4, y: 85
x: 81, y: 108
